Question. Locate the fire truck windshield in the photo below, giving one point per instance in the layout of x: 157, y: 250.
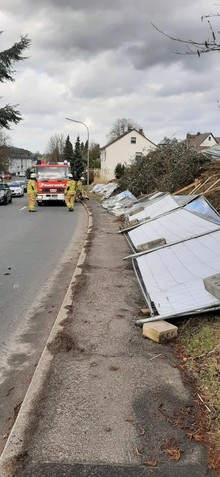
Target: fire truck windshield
x: 53, y: 172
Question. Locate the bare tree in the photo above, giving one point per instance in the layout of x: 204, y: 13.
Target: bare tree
x: 198, y: 47
x: 4, y: 151
x: 120, y: 126
x: 55, y: 149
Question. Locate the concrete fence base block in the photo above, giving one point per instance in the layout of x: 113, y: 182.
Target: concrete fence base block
x: 133, y: 222
x: 160, y: 331
x: 136, y: 210
x: 152, y: 244
x: 212, y: 285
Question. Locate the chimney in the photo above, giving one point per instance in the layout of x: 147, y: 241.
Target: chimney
x: 141, y: 131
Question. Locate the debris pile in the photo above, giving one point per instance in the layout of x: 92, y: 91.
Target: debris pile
x: 175, y: 242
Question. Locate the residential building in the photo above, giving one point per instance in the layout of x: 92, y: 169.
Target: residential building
x: 19, y: 160
x: 201, y: 141
x: 130, y: 145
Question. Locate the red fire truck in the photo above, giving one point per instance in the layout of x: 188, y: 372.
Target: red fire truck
x: 51, y: 181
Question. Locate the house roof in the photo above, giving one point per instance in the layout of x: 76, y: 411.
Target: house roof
x: 196, y: 140
x: 124, y: 134
x: 18, y: 152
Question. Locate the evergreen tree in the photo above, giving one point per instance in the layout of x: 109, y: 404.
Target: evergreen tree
x: 77, y: 166
x: 119, y: 170
x: 83, y: 148
x: 68, y: 151
x: 7, y: 59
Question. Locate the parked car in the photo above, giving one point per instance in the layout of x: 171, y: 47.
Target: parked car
x: 23, y: 183
x: 5, y: 175
x: 22, y: 174
x: 5, y: 194
x: 16, y: 189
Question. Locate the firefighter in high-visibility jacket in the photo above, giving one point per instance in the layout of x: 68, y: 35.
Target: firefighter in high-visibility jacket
x: 32, y: 194
x: 80, y: 193
x: 69, y: 194
x: 79, y: 190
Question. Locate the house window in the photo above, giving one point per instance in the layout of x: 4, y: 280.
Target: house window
x: 209, y: 138
x: 138, y: 155
x: 133, y: 140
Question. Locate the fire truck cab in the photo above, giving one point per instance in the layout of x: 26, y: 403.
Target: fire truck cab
x: 51, y: 181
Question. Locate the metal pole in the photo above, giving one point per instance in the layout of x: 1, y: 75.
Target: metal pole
x: 80, y: 122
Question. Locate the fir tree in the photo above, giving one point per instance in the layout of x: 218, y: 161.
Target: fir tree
x: 77, y: 167
x: 9, y: 114
x: 68, y: 152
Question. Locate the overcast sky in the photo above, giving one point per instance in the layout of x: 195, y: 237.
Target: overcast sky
x: 98, y: 60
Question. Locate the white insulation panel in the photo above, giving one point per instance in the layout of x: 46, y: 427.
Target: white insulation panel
x: 178, y: 225
x: 158, y: 207
x: 173, y: 276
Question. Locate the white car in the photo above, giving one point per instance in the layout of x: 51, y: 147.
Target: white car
x: 17, y: 190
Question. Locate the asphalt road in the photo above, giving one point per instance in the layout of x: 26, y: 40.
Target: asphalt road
x: 38, y: 253
x: 104, y: 401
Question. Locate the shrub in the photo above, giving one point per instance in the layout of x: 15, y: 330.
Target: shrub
x: 119, y: 170
x: 168, y: 168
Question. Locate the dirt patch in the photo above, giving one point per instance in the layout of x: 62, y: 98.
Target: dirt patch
x: 64, y: 343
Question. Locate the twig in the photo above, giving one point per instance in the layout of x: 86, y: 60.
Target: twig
x: 206, y: 354
x: 208, y: 408
x: 184, y: 326
x: 156, y: 356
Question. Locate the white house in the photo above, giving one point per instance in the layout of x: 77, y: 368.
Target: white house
x: 123, y: 150
x: 200, y: 141
x: 19, y: 160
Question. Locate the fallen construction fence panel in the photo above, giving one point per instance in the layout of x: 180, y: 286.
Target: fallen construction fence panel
x: 184, y: 199
x: 143, y: 202
x: 171, y: 278
x: 195, y: 219
x: 213, y: 151
x: 203, y: 208
x: 117, y: 204
x: 164, y: 205
x: 159, y: 204
x: 104, y: 189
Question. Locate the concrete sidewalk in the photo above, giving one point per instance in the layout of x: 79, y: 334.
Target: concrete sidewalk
x: 102, y: 402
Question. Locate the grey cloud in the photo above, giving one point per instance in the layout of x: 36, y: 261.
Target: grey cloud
x: 188, y: 84
x: 104, y: 59
x: 74, y: 29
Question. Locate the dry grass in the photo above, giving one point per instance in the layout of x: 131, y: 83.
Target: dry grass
x: 200, y: 337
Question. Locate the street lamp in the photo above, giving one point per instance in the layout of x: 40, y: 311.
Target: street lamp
x: 80, y: 122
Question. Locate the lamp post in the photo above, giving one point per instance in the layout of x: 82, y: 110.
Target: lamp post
x: 80, y: 122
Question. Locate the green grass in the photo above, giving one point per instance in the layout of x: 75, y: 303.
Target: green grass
x: 201, y: 336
